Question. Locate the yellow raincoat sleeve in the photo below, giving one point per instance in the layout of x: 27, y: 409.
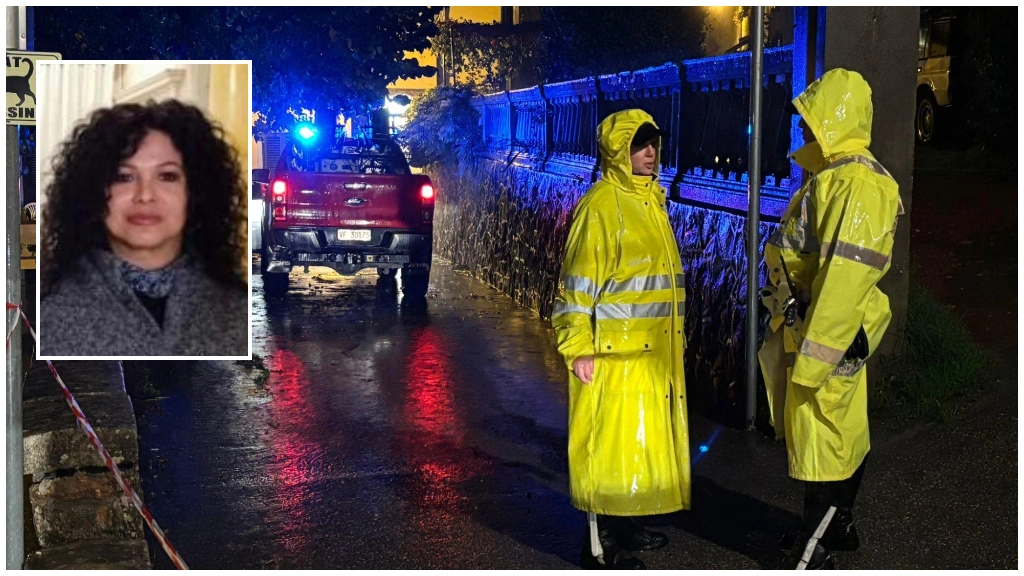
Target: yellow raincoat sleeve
x: 855, y: 228
x: 590, y: 257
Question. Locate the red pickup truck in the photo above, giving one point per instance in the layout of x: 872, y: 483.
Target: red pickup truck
x: 347, y: 204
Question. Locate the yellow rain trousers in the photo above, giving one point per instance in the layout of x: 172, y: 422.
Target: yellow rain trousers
x: 836, y: 241
x: 621, y: 299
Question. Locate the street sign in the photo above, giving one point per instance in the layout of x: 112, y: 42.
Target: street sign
x: 21, y: 85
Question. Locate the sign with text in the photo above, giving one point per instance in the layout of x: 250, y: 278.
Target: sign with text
x: 21, y: 85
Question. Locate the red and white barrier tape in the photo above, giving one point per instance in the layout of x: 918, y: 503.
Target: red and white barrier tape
x: 16, y: 320
x: 83, y: 423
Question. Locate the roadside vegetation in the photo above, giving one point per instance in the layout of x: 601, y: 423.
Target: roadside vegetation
x: 940, y: 369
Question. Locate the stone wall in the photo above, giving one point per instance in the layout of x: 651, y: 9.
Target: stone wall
x: 80, y: 516
x: 712, y: 245
x: 507, y: 225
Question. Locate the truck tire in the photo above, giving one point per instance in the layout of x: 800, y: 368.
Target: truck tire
x: 924, y: 120
x: 274, y: 283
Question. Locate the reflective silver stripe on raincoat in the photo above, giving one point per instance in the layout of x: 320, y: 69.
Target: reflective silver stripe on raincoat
x: 580, y: 284
x: 639, y: 284
x: 564, y: 308
x: 857, y: 254
x: 628, y: 311
x: 821, y: 352
x: 872, y: 165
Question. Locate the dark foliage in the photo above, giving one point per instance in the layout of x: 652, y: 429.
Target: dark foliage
x: 490, y: 57
x: 327, y: 59
x: 27, y: 146
x: 584, y: 41
x: 984, y: 77
x: 443, y: 126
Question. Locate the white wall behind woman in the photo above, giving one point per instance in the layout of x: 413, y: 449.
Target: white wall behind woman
x: 138, y: 82
x: 68, y: 92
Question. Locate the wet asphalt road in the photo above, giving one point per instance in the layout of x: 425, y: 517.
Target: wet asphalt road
x: 396, y: 436
x: 387, y: 435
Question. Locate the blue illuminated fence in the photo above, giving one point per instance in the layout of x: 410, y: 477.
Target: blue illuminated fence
x: 703, y: 103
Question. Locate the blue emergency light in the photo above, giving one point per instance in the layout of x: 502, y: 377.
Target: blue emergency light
x: 307, y: 133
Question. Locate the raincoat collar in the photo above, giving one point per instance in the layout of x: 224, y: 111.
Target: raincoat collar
x: 614, y: 135
x: 837, y: 108
x: 644, y: 185
x: 809, y: 157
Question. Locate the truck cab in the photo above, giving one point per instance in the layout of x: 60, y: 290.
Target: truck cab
x: 347, y: 204
x: 933, y: 71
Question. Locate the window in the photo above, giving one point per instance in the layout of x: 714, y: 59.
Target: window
x: 350, y: 156
x: 922, y: 42
x: 939, y: 40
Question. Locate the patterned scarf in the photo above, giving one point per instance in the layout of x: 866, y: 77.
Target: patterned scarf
x: 151, y: 283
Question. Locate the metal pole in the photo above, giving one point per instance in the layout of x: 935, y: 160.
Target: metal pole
x: 754, y: 207
x: 16, y: 37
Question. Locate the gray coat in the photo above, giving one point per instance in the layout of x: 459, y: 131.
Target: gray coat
x: 92, y: 312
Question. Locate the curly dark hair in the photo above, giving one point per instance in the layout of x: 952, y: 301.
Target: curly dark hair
x: 76, y: 200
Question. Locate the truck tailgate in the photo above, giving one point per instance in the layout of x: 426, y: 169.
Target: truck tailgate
x: 354, y: 200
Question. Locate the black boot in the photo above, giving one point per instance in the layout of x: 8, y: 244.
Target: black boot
x: 819, y: 559
x: 807, y: 552
x: 614, y: 559
x: 842, y: 534
x: 633, y: 536
x: 614, y: 556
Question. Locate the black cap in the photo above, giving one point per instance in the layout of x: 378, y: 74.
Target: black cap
x: 646, y: 133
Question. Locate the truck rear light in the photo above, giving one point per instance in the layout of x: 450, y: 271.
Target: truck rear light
x: 279, y: 189
x: 280, y: 213
x: 427, y: 200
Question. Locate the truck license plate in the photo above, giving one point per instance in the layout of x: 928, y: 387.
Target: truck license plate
x: 357, y: 235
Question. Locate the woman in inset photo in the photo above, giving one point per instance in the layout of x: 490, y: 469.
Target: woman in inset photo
x: 141, y: 246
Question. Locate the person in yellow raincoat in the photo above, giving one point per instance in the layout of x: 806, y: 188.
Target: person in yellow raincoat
x: 619, y: 321
x: 828, y: 315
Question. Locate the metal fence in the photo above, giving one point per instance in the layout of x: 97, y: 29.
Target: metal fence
x: 703, y: 103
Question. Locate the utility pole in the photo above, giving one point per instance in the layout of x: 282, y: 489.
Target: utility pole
x: 17, y: 37
x: 754, y: 207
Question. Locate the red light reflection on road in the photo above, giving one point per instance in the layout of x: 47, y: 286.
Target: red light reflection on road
x: 436, y: 447
x: 430, y: 404
x: 294, y: 442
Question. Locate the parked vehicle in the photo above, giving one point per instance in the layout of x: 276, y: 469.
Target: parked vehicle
x: 259, y: 184
x: 933, y: 71
x: 347, y: 204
